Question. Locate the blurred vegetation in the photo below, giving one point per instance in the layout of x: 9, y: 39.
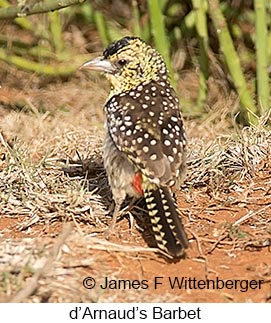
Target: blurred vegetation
x: 232, y: 37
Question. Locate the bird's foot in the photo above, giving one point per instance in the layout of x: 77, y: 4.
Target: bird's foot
x: 109, y: 232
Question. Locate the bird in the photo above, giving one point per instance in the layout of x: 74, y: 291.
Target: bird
x: 144, y: 150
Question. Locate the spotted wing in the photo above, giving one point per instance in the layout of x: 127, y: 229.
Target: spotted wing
x: 147, y: 126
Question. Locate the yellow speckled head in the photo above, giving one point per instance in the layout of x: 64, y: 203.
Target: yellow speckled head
x: 129, y: 62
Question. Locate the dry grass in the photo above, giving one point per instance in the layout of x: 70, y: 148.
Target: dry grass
x: 62, y: 179
x: 224, y: 162
x: 42, y: 191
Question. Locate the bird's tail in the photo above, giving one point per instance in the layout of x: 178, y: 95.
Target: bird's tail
x: 166, y: 221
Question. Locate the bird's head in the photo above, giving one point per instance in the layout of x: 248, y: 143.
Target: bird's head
x: 127, y: 63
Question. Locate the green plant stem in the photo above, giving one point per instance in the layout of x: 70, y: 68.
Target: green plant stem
x: 56, y: 31
x: 159, y: 32
x: 36, y: 7
x: 36, y: 67
x: 200, y: 7
x: 101, y: 27
x: 136, y: 19
x: 262, y: 55
x: 22, y: 21
x: 25, y: 23
x: 248, y: 111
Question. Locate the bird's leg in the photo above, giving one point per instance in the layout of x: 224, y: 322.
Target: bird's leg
x: 128, y: 209
x: 131, y: 204
x: 116, y: 212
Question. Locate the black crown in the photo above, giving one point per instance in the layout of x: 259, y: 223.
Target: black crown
x: 117, y: 45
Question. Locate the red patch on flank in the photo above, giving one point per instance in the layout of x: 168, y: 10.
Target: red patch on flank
x: 137, y: 183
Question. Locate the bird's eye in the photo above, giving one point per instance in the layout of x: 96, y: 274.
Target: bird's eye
x: 122, y: 62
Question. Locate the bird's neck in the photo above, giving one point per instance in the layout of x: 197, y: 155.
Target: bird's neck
x: 119, y: 86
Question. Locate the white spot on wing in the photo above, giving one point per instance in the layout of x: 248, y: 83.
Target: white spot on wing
x: 145, y: 149
x: 153, y: 157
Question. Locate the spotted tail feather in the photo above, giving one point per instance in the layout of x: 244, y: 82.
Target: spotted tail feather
x: 166, y: 221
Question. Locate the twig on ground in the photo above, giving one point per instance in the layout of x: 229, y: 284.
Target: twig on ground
x: 223, y: 236
x: 99, y: 244
x: 249, y: 215
x: 198, y: 243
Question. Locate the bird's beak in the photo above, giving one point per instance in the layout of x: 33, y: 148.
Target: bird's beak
x: 98, y: 64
